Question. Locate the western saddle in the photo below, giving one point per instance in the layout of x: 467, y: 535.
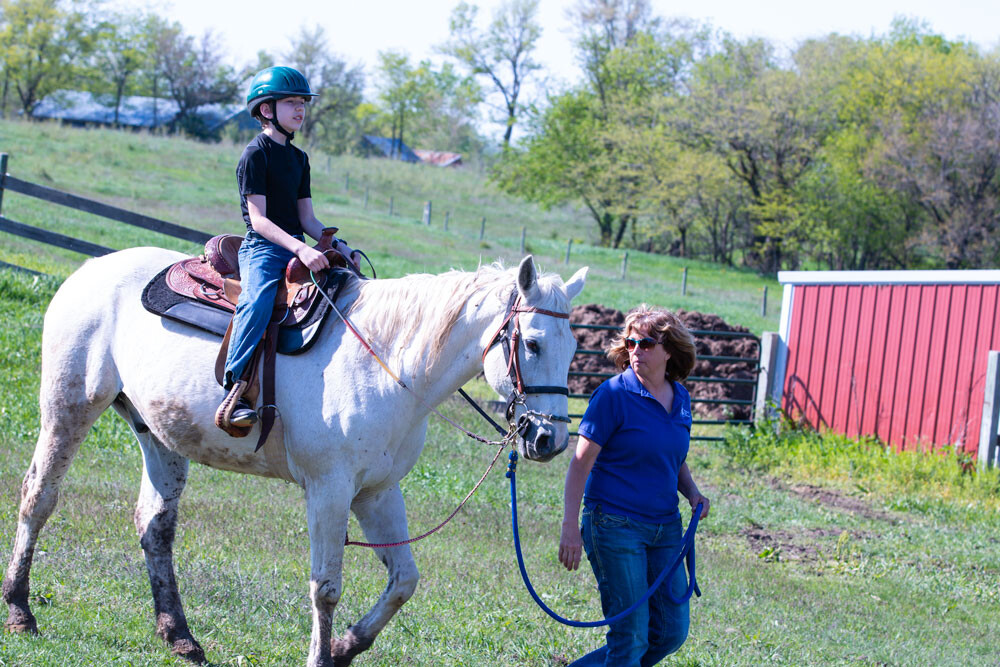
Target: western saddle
x: 213, y: 280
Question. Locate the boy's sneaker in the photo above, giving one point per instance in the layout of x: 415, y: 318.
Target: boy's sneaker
x: 235, y: 415
x: 243, y: 414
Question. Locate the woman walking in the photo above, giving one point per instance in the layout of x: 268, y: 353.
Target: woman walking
x: 629, y: 465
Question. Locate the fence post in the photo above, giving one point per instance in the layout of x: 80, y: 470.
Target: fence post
x: 366, y: 197
x: 427, y: 213
x: 328, y: 164
x: 447, y: 215
x: 624, y: 264
x: 391, y: 203
x: 569, y: 246
x: 991, y: 414
x: 3, y: 176
x: 524, y: 231
x: 763, y: 304
x: 482, y: 228
x: 347, y: 181
x: 766, y: 379
x: 684, y: 281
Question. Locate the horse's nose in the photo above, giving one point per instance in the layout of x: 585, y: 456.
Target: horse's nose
x: 543, y: 443
x: 546, y: 444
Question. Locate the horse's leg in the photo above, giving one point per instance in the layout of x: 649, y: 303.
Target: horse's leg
x: 383, y: 518
x: 69, y: 404
x: 164, y: 475
x: 327, y: 506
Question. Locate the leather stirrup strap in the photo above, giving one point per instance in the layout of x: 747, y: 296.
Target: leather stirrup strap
x: 268, y: 408
x: 220, y: 360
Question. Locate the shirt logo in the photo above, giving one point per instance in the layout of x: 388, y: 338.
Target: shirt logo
x: 685, y: 413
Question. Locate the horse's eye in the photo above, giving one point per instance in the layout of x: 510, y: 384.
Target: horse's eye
x: 532, y: 346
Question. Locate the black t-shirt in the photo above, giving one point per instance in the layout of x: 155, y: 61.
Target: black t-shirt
x: 280, y: 173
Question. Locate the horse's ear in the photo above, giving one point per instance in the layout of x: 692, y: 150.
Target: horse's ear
x: 576, y: 283
x: 527, y: 278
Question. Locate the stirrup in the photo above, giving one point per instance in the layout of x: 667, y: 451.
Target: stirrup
x: 224, y: 415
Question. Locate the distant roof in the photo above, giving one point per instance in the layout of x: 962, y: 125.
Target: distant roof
x: 392, y: 148
x: 439, y: 158
x: 81, y: 106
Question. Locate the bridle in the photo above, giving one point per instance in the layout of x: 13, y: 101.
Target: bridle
x: 508, y: 334
x: 510, y: 323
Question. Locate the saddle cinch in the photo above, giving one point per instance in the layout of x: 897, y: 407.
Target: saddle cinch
x: 203, y: 292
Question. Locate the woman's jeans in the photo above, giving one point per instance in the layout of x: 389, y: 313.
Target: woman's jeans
x: 262, y: 270
x: 627, y: 556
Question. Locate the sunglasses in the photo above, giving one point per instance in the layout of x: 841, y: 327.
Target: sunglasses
x: 646, y: 343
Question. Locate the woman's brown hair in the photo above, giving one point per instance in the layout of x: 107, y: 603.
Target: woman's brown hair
x: 665, y: 327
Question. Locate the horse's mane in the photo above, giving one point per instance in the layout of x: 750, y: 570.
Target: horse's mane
x: 418, y: 311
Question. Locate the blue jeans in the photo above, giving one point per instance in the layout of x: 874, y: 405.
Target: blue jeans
x: 262, y: 270
x: 627, y: 556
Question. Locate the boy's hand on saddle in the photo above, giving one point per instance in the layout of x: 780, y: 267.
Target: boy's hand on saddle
x: 312, y: 258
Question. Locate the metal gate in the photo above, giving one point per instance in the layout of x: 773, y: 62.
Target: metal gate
x: 753, y: 364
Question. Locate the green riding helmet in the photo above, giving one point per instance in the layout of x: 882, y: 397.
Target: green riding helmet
x: 275, y: 83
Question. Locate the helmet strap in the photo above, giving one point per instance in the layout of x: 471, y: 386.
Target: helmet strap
x: 277, y: 125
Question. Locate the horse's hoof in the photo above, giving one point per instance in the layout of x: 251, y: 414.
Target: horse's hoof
x: 345, y: 648
x: 22, y: 628
x: 189, y: 650
x: 21, y: 621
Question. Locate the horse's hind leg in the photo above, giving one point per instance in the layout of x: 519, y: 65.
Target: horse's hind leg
x: 69, y: 406
x: 164, y: 475
x: 383, y: 518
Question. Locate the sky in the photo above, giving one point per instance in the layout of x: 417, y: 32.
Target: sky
x: 359, y: 29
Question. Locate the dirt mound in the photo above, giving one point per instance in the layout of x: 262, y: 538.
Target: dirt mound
x: 706, y: 345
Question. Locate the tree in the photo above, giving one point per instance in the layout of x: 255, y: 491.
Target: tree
x: 430, y: 104
x: 568, y: 157
x: 43, y: 43
x: 331, y: 121
x: 157, y: 39
x: 764, y: 122
x: 400, y: 91
x: 592, y: 144
x: 948, y: 163
x: 447, y: 111
x: 502, y: 53
x: 195, y: 74
x: 118, y: 53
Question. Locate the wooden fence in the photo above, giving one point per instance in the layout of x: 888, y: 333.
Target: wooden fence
x: 13, y: 184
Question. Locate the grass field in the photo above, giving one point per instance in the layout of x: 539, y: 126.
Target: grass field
x: 818, y: 551
x: 806, y: 559
x: 194, y: 185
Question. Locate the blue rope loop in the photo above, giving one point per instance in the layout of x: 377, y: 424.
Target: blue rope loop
x: 686, y: 555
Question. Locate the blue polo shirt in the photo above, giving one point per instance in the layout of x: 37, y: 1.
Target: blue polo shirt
x: 642, y: 449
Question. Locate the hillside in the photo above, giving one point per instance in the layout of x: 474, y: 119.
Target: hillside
x: 193, y: 184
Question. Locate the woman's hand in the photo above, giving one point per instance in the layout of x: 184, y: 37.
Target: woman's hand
x: 570, y: 546
x: 312, y: 258
x: 696, y: 498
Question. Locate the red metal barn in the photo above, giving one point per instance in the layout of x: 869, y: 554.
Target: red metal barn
x: 897, y: 354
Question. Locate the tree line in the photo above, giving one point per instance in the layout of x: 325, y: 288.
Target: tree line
x: 845, y: 152
x: 51, y: 45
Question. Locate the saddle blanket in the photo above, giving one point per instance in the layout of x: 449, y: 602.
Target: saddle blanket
x: 159, y: 299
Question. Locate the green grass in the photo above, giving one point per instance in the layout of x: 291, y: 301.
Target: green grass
x: 193, y: 184
x: 808, y: 556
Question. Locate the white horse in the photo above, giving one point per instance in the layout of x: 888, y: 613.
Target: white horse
x: 350, y: 432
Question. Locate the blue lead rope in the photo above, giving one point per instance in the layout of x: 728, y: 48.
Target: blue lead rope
x: 686, y: 554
